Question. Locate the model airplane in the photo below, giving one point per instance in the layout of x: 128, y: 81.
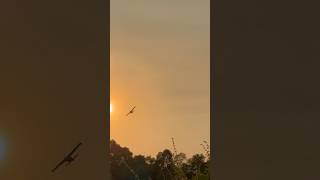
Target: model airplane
x: 69, y: 158
x: 131, y: 111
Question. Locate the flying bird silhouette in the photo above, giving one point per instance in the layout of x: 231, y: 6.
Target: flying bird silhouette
x: 68, y: 158
x: 131, y: 111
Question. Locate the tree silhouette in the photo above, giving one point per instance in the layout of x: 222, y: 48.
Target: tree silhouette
x: 165, y: 166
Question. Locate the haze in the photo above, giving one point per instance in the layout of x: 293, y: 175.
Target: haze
x: 160, y: 63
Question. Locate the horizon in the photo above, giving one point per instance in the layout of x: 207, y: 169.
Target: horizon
x: 160, y: 150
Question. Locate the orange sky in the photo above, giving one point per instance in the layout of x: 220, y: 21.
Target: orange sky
x: 160, y: 63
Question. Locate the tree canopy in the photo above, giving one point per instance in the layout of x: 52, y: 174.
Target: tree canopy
x: 167, y: 165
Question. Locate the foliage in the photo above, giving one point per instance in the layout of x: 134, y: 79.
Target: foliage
x: 167, y: 165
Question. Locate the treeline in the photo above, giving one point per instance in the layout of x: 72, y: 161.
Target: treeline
x: 167, y: 165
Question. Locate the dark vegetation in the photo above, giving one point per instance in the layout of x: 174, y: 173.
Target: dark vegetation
x: 167, y: 165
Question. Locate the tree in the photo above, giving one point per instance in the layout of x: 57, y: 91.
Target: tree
x: 165, y: 166
x: 118, y: 157
x: 141, y: 167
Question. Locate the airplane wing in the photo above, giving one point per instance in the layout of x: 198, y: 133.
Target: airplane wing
x: 74, y: 149
x: 133, y: 108
x: 58, y: 165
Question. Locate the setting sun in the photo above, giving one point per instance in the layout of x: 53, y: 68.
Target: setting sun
x: 110, y: 107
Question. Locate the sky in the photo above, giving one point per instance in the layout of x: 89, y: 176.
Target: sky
x: 160, y: 63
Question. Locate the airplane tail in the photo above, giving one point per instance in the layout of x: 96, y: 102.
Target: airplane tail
x: 75, y: 156
x: 68, y: 163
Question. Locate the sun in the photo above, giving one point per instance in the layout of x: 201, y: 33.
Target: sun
x: 110, y: 107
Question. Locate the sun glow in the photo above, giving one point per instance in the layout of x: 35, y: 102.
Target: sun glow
x: 110, y: 107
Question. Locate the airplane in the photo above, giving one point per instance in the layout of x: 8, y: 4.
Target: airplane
x: 69, y: 158
x: 131, y: 111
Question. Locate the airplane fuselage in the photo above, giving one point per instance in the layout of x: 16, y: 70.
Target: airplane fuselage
x: 69, y: 159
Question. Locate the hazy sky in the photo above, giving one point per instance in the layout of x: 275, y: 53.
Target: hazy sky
x: 160, y: 63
